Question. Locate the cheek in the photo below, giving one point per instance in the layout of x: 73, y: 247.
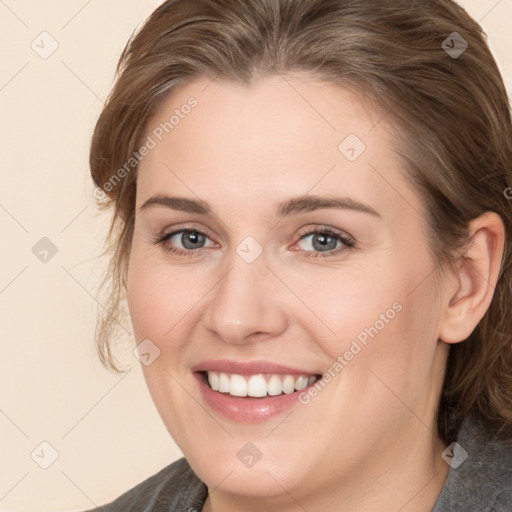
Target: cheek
x: 158, y: 301
x: 383, y: 352
x: 340, y: 305
x: 159, y: 297
x: 377, y: 319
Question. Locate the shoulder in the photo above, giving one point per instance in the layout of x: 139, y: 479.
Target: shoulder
x: 481, y: 478
x: 175, y: 487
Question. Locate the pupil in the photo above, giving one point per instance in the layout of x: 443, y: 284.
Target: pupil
x: 191, y: 238
x: 323, y: 242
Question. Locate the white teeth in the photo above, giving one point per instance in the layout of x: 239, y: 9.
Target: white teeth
x: 223, y: 383
x: 302, y: 382
x: 213, y: 380
x: 237, y: 386
x: 274, y: 386
x: 289, y: 384
x: 257, y: 385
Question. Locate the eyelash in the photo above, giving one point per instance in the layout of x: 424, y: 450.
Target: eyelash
x: 347, y: 241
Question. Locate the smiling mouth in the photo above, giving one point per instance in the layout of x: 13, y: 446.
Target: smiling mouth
x: 257, y: 386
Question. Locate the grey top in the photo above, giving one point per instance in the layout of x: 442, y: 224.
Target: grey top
x: 479, y: 480
x: 483, y: 482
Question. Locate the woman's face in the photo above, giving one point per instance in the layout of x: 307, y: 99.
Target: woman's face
x: 253, y: 295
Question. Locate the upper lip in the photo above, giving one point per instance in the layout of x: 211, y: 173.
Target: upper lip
x: 247, y: 367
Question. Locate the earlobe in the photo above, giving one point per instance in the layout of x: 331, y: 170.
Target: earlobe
x: 476, y: 277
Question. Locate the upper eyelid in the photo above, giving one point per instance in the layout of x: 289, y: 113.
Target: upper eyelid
x: 178, y: 230
x: 302, y: 231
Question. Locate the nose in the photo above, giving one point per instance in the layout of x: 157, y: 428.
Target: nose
x: 244, y: 306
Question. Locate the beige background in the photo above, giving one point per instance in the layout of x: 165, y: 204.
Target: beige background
x: 104, y: 427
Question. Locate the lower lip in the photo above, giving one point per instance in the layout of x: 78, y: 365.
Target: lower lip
x: 247, y: 409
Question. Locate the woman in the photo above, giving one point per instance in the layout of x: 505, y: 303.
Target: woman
x: 312, y: 233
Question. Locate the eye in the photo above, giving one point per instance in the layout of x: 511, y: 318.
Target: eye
x: 317, y: 242
x: 189, y: 239
x: 324, y: 240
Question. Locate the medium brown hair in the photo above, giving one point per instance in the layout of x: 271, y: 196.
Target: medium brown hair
x: 451, y: 113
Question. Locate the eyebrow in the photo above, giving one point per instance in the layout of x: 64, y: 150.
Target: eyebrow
x: 293, y: 206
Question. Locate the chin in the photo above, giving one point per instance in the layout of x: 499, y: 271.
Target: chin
x: 263, y: 480
x: 222, y: 469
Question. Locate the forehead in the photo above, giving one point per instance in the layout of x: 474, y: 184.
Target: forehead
x: 280, y: 136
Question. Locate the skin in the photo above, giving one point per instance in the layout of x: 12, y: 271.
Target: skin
x: 368, y: 441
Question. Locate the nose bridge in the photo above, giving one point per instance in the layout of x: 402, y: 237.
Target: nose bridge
x: 243, y: 302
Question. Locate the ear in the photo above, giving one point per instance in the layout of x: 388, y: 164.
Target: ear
x: 470, y: 292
